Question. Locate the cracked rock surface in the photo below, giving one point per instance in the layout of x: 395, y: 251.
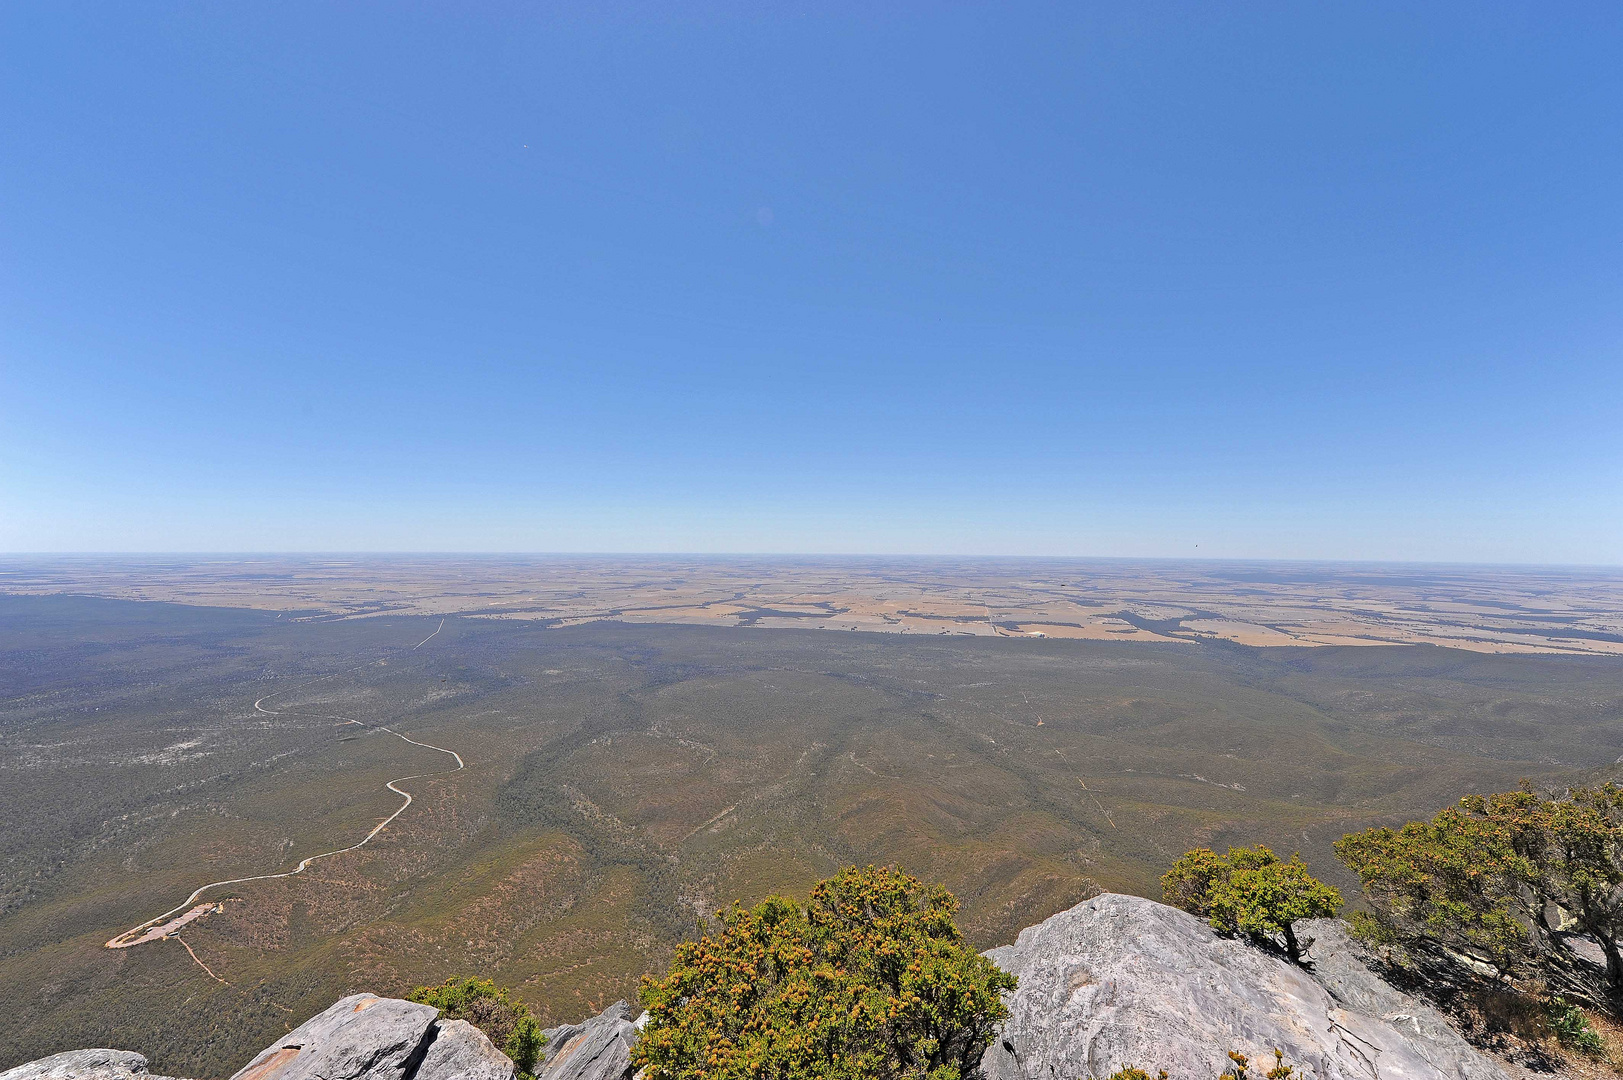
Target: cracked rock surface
x: 461, y: 1051
x: 84, y: 1065
x: 361, y: 1037
x: 366, y: 1037
x: 1120, y: 980
x: 1336, y: 965
x: 595, y: 1049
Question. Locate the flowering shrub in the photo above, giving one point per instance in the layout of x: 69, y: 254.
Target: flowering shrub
x: 869, y: 979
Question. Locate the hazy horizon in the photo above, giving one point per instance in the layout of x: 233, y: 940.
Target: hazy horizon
x: 791, y: 555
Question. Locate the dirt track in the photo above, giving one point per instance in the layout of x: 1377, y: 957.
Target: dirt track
x: 167, y: 924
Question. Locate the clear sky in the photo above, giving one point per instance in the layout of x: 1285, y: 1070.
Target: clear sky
x: 1251, y: 279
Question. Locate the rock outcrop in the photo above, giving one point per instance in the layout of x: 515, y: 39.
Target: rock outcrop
x: 361, y: 1037
x: 461, y: 1051
x: 1337, y: 966
x: 596, y: 1049
x: 366, y: 1037
x: 1119, y: 981
x: 1115, y: 981
x: 85, y: 1065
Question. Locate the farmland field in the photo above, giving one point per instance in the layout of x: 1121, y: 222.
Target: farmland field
x: 624, y: 778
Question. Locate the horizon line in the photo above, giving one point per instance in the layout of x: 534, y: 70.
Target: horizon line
x: 789, y: 555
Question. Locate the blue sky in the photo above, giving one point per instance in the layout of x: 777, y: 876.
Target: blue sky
x: 1242, y: 280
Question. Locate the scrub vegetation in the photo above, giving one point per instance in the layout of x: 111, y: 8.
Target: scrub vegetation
x: 622, y: 780
x: 506, y: 1022
x: 1517, y: 881
x: 1250, y: 891
x: 870, y: 979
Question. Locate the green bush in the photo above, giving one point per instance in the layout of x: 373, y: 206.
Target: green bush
x: 525, y: 1043
x: 1372, y: 931
x: 1188, y: 884
x: 1482, y: 877
x: 1249, y: 891
x: 1571, y: 1028
x: 868, y: 980
x: 506, y: 1022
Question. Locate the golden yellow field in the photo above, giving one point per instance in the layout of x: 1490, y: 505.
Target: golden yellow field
x: 1483, y: 609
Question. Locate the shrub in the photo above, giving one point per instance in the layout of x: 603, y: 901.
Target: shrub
x: 506, y: 1022
x: 1188, y: 884
x: 869, y: 979
x: 1374, y: 932
x: 525, y: 1043
x: 1249, y: 891
x: 1454, y: 879
x: 1571, y: 1028
x: 1482, y: 877
x: 1240, y: 1066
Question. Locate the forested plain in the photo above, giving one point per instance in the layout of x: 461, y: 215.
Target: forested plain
x: 623, y: 780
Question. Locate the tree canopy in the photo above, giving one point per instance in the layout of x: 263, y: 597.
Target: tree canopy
x: 870, y: 979
x: 1249, y: 891
x: 1499, y: 877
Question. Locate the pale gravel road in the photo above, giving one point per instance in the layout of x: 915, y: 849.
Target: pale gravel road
x: 137, y: 935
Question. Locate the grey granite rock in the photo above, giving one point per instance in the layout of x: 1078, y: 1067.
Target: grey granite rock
x: 1586, y: 949
x: 84, y: 1065
x: 461, y: 1051
x: 361, y: 1037
x: 595, y: 1049
x: 1115, y: 981
x: 1337, y: 964
x: 1120, y: 980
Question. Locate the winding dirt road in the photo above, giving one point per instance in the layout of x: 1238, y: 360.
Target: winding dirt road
x: 170, y: 922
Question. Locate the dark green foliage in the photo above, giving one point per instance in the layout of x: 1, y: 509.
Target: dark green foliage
x: 1188, y: 885
x: 1249, y: 891
x: 480, y: 1002
x: 869, y: 980
x: 525, y: 1043
x: 1486, y: 877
